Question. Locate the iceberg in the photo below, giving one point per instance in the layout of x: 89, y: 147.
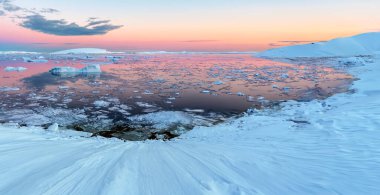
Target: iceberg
x: 82, y: 51
x: 71, y: 71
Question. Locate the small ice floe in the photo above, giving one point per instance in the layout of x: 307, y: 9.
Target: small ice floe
x: 113, y: 100
x: 261, y: 98
x: 171, y: 98
x: 54, y: 127
x: 66, y: 70
x: 125, y: 107
x: 63, y: 87
x: 286, y: 89
x: 240, y: 94
x: 284, y: 76
x: 93, y: 68
x: 148, y: 92
x: 101, y: 103
x: 14, y: 69
x: 250, y: 99
x: 218, y: 83
x: 144, y: 105
x: 9, y: 89
x: 206, y: 91
x: 275, y: 87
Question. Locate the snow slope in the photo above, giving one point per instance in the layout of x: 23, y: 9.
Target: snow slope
x: 363, y: 44
x: 83, y: 51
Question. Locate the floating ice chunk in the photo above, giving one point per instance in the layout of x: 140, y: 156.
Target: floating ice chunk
x: 205, y: 91
x: 93, y: 68
x: 64, y: 69
x: 284, y: 76
x: 144, y: 105
x: 250, y: 99
x: 240, y: 94
x: 114, y: 100
x: 63, y: 87
x: 27, y: 59
x: 101, y: 103
x: 9, y: 89
x: 53, y: 127
x: 125, y: 107
x: 286, y: 89
x: 14, y: 69
x: 218, y: 83
x: 148, y: 92
x: 275, y: 86
x: 260, y: 98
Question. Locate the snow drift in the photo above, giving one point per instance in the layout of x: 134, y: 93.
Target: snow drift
x: 363, y: 44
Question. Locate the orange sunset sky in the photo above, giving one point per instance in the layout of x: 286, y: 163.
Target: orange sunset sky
x: 208, y: 25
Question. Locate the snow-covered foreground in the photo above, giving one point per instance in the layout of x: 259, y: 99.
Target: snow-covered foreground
x: 318, y: 147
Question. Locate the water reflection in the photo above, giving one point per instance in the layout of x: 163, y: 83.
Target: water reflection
x: 215, y: 83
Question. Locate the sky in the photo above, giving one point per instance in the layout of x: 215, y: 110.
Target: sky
x: 180, y: 25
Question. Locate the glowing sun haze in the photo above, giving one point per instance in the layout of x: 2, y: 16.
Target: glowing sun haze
x: 176, y: 25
